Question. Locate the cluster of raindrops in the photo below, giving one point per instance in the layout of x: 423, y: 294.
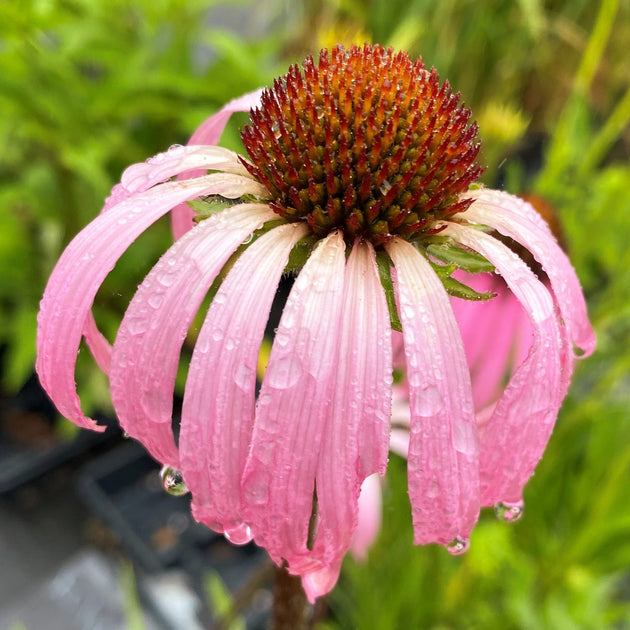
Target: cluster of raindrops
x: 504, y: 511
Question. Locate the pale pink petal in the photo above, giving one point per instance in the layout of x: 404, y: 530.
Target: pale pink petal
x: 320, y: 581
x: 218, y: 411
x: 209, y: 133
x: 401, y: 419
x: 180, y: 160
x: 496, y: 335
x: 147, y: 348
x: 399, y: 442
x: 100, y: 348
x: 370, y: 517
x: 177, y: 160
x: 517, y: 219
x: 514, y: 438
x: 291, y: 413
x: 398, y: 347
x: 81, y: 270
x: 443, y: 473
x: 476, y: 327
x: 356, y: 439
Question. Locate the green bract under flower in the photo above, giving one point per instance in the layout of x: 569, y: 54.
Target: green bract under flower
x: 367, y: 141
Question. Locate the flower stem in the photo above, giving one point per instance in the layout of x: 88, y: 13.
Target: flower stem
x: 289, y: 602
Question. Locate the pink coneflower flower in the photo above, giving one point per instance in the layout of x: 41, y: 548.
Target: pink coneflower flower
x: 501, y: 320
x: 358, y: 175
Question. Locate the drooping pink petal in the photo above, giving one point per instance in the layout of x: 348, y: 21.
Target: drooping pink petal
x: 517, y: 219
x: 177, y: 160
x: 370, y: 517
x: 180, y: 160
x: 320, y: 581
x: 356, y: 439
x: 291, y: 413
x: 209, y: 133
x: 149, y: 341
x: 443, y: 468
x: 82, y: 268
x: 496, y: 335
x: 218, y: 410
x: 100, y: 348
x: 514, y: 438
x: 399, y: 442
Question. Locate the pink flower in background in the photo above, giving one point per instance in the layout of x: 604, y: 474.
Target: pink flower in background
x: 358, y: 175
x: 497, y: 336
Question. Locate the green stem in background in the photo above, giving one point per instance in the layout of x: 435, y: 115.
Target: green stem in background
x: 607, y: 135
x: 289, y: 602
x: 559, y: 155
x: 69, y: 205
x: 242, y: 599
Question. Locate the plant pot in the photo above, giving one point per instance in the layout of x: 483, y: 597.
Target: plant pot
x: 34, y: 439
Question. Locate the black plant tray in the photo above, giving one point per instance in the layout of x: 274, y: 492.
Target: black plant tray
x: 30, y: 441
x: 124, y: 490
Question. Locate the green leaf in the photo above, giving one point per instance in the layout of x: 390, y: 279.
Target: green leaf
x: 205, y: 207
x: 457, y: 289
x: 300, y: 253
x: 443, y: 271
x: 452, y: 253
x: 384, y: 271
x: 222, y: 601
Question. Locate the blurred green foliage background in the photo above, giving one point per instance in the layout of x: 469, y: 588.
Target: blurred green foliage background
x: 88, y: 87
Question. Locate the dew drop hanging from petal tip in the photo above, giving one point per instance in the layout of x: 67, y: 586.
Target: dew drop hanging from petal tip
x: 509, y: 512
x: 239, y: 535
x: 173, y: 482
x: 458, y: 546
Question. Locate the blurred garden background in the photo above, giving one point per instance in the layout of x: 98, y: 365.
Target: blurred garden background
x: 88, y: 87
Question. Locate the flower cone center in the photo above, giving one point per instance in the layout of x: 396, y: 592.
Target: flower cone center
x: 366, y: 141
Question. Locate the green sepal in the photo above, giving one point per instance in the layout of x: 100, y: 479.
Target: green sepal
x: 384, y: 271
x: 457, y: 289
x: 443, y: 271
x: 452, y: 253
x: 205, y: 207
x: 300, y: 253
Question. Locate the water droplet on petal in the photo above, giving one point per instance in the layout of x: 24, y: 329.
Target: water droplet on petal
x: 284, y: 373
x: 137, y: 325
x: 509, y: 512
x: 166, y: 279
x: 433, y: 490
x: 465, y: 438
x: 175, y: 147
x: 458, y: 546
x: 256, y: 489
x: 239, y: 535
x: 244, y: 377
x: 282, y: 339
x: 429, y: 402
x: 155, y: 299
x: 172, y: 481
